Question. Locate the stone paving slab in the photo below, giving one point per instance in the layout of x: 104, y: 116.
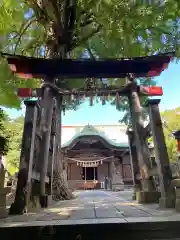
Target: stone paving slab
x: 92, y: 206
x: 83, y: 214
x: 110, y: 212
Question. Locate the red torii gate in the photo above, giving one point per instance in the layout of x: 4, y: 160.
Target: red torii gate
x: 150, y: 66
x: 27, y: 67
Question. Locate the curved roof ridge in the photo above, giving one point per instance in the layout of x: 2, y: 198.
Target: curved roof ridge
x: 90, y: 131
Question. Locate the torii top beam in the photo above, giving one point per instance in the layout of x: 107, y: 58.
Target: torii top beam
x: 149, y: 66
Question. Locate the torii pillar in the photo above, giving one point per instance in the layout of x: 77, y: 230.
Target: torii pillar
x: 134, y: 162
x: 23, y: 189
x: 167, y: 199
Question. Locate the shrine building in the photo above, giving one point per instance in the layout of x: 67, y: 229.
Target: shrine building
x: 92, y: 153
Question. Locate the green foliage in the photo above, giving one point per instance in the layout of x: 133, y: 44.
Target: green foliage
x: 171, y: 145
x: 171, y: 120
x: 135, y: 29
x: 15, y: 130
x: 9, y: 84
x: 4, y: 137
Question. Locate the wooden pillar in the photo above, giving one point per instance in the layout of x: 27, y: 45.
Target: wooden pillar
x: 26, y: 160
x: 52, y: 152
x: 46, y: 123
x: 140, y: 140
x: 134, y: 162
x: 167, y: 199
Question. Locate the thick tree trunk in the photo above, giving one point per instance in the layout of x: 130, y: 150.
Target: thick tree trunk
x: 141, y: 141
x: 60, y: 185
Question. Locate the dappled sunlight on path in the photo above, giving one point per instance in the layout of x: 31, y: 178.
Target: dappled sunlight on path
x: 95, y: 206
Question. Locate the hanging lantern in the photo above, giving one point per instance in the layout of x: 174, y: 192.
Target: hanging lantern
x: 103, y: 100
x: 91, y: 101
x: 77, y: 164
x: 101, y: 162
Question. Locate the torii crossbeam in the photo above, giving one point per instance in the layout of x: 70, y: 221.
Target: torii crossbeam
x: 149, y: 66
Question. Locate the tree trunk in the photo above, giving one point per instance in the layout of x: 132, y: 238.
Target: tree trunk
x: 60, y: 185
x: 141, y: 141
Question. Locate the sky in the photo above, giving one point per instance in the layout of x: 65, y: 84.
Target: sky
x: 102, y: 115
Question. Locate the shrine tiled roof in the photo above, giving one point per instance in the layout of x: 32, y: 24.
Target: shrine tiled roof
x: 91, y: 131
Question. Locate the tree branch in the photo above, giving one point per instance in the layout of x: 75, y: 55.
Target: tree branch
x: 23, y: 30
x: 77, y: 43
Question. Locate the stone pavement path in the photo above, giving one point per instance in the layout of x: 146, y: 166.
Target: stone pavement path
x: 95, y: 206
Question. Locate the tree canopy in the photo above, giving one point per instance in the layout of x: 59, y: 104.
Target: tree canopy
x: 108, y: 28
x: 14, y: 129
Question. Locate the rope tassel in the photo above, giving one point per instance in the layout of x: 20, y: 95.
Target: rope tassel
x: 91, y: 101
x: 103, y: 100
x: 97, y: 99
x: 109, y: 97
x: 64, y: 110
x: 117, y: 100
x: 78, y: 100
x: 72, y: 97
